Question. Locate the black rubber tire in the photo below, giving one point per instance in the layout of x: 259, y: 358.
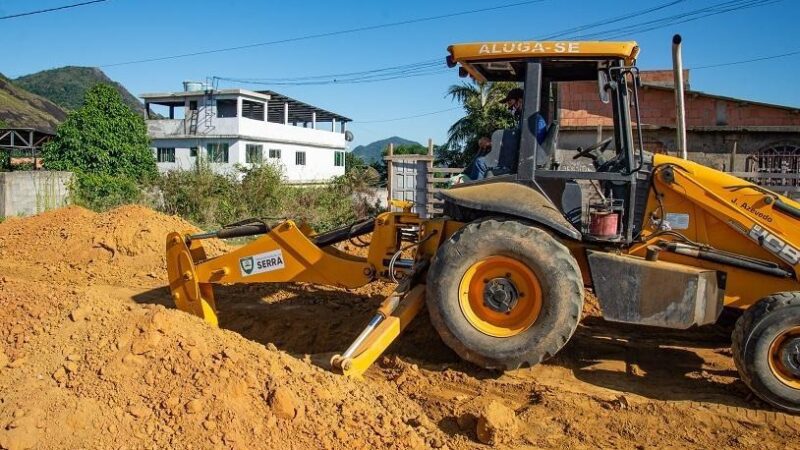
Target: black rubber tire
x: 755, y: 331
x: 558, y: 274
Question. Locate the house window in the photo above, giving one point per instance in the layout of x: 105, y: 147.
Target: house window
x: 300, y: 158
x: 193, y: 152
x: 165, y: 154
x: 253, y: 110
x: 274, y: 153
x: 338, y: 159
x: 226, y: 108
x: 254, y: 153
x: 217, y: 152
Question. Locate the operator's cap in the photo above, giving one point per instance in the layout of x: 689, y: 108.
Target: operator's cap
x: 514, y: 94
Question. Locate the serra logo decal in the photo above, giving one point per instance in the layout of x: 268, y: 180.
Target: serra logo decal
x: 262, y: 262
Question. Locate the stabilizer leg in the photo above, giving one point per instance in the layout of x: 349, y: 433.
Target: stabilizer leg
x: 393, y: 316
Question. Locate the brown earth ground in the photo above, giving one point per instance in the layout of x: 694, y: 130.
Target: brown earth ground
x: 93, y: 355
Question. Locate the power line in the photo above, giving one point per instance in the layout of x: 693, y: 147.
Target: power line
x: 42, y: 11
x: 436, y: 61
x: 408, y: 117
x: 746, y: 61
x: 579, y: 28
x: 684, y: 17
x: 423, y: 68
x: 327, y: 34
x: 418, y: 69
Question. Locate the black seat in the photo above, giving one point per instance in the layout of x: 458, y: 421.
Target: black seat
x: 503, y: 157
x: 546, y: 156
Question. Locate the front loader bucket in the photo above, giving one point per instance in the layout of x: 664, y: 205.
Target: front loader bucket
x: 188, y: 293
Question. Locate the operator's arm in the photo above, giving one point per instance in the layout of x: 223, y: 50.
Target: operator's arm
x: 540, y: 127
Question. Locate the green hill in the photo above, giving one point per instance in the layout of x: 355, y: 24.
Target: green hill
x: 372, y: 152
x: 66, y: 86
x: 20, y: 108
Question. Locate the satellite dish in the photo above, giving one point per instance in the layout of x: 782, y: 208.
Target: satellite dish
x: 348, y: 136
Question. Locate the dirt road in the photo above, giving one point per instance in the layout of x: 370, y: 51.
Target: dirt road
x: 93, y: 355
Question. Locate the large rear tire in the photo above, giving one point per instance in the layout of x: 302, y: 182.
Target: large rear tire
x: 766, y: 349
x: 503, y: 294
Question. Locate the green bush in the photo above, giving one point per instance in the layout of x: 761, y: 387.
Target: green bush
x: 206, y: 198
x: 211, y: 200
x: 100, y: 192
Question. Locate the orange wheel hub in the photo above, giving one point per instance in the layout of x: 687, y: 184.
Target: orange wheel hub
x: 784, y: 357
x: 500, y: 296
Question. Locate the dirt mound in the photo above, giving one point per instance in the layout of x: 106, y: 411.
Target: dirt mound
x: 113, y: 246
x: 92, y: 354
x: 96, y: 369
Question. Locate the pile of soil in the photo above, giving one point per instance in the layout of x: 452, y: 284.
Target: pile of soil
x: 93, y: 355
x: 89, y: 366
x: 124, y: 242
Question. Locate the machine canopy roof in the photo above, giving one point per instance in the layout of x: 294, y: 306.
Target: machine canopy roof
x: 496, y: 60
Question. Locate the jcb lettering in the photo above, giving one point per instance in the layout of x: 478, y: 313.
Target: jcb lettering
x: 774, y: 245
x: 790, y: 255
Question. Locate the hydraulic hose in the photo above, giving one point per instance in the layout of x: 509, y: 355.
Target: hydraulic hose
x: 729, y: 259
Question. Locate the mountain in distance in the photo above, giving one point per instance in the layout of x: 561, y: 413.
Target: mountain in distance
x: 372, y: 152
x: 22, y: 109
x: 66, y: 86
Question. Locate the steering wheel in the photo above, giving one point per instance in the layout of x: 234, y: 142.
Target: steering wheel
x: 588, y: 152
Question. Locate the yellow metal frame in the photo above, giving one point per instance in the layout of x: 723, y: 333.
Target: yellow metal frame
x: 721, y: 210
x: 297, y: 259
x: 469, y: 53
x: 384, y: 334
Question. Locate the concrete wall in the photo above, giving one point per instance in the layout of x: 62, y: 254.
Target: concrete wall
x: 27, y: 193
x: 581, y: 106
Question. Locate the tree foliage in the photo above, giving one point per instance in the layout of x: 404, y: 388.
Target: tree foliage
x: 353, y: 162
x: 405, y: 149
x: 102, y: 137
x: 483, y: 114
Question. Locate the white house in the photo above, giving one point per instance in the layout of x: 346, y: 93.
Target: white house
x: 237, y: 126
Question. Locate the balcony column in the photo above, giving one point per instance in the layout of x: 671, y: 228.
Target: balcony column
x: 314, y: 120
x: 344, y: 127
x: 286, y: 113
x: 333, y: 125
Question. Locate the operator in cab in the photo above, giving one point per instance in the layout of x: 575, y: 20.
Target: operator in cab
x: 514, y: 102
x: 478, y: 168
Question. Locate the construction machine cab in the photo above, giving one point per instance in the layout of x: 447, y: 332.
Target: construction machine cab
x: 551, y: 170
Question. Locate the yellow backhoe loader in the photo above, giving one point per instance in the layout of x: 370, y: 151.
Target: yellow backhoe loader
x: 661, y: 240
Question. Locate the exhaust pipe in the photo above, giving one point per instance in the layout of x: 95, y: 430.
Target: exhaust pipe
x: 680, y: 108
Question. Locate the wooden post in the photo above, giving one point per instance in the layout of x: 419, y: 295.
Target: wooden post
x: 389, y: 175
x: 733, y: 157
x: 33, y: 150
x: 428, y: 209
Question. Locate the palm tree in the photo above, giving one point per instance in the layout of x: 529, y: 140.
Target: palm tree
x: 484, y: 113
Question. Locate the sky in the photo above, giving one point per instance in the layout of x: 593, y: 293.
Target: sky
x: 115, y: 31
